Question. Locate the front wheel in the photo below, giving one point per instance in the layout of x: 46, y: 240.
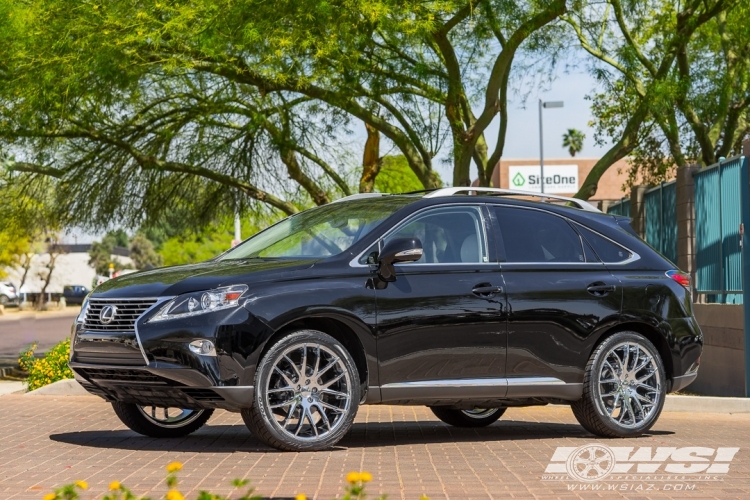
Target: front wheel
x: 306, y: 393
x: 161, y: 422
x: 477, y: 417
x: 624, y: 387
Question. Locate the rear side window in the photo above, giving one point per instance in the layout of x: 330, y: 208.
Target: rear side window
x: 536, y: 236
x: 607, y: 251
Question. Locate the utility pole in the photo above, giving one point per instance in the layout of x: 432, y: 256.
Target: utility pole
x: 542, y: 104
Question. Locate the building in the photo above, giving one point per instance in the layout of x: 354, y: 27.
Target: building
x: 562, y: 176
x: 71, y: 268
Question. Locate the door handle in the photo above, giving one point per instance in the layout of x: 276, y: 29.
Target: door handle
x: 486, y: 290
x: 600, y: 289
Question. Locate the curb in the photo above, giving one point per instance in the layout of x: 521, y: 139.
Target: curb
x: 706, y: 404
x: 674, y: 403
x: 68, y: 387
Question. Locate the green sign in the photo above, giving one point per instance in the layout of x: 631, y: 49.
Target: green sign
x: 519, y: 180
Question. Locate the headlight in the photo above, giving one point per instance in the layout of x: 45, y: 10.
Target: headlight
x: 193, y: 304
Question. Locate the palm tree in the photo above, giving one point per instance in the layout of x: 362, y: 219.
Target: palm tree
x: 573, y: 140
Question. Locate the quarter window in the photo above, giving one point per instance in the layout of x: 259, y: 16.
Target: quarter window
x: 449, y: 235
x: 536, y: 236
x: 605, y: 249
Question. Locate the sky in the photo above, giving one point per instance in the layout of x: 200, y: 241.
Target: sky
x: 522, y: 140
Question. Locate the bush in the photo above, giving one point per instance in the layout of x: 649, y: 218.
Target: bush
x: 51, y: 368
x: 355, y: 490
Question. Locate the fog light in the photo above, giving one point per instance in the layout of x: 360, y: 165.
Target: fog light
x: 203, y: 347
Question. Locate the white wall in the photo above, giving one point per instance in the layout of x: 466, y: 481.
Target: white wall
x: 70, y: 269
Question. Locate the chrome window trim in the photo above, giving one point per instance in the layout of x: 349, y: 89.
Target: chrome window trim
x: 355, y: 261
x: 633, y: 255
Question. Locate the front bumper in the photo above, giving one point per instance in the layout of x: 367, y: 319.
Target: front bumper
x: 154, y: 366
x: 162, y: 387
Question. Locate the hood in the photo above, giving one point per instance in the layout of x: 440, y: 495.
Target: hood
x: 171, y: 281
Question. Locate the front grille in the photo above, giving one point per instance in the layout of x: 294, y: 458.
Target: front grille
x: 117, y: 375
x: 127, y: 312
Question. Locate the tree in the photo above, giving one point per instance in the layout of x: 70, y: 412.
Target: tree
x: 396, y: 176
x: 100, y: 254
x: 143, y: 253
x: 634, y: 49
x: 573, y: 140
x: 220, y: 104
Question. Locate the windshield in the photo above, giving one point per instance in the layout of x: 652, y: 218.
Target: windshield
x: 319, y: 232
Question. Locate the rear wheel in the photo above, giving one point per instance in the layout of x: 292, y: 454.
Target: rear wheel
x: 161, y: 422
x: 306, y: 393
x: 4, y: 300
x: 624, y: 387
x: 477, y: 417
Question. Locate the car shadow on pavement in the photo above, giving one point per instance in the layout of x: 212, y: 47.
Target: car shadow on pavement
x: 236, y: 438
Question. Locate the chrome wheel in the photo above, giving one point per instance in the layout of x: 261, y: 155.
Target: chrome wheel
x: 309, y: 392
x: 629, y: 385
x: 169, y: 417
x: 480, y: 412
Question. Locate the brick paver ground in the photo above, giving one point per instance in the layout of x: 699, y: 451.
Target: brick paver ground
x: 49, y: 441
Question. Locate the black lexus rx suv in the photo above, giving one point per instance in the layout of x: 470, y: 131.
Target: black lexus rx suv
x: 466, y: 300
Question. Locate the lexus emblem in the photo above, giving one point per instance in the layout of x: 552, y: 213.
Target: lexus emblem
x: 107, y: 315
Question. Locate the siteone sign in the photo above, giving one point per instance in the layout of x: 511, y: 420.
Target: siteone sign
x: 557, y: 178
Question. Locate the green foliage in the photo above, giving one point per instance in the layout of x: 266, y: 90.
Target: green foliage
x: 143, y: 253
x: 51, y: 368
x: 100, y: 254
x: 13, y: 245
x: 354, y: 490
x: 395, y: 176
x: 214, y: 239
x: 573, y: 140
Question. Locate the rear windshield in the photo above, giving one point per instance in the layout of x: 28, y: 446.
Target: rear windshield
x: 319, y: 232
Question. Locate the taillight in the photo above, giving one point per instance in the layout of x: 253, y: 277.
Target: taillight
x: 680, y: 277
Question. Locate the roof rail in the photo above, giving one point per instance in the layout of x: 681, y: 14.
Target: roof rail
x: 359, y: 196
x: 450, y: 191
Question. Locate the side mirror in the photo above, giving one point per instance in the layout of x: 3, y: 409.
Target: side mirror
x: 398, y: 251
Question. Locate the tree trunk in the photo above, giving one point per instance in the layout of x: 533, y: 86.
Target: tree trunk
x: 370, y: 160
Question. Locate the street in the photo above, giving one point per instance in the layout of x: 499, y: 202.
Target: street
x: 17, y: 330
x: 406, y: 449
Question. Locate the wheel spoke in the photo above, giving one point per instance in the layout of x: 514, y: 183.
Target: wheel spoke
x: 289, y: 415
x: 331, y: 407
x: 312, y: 421
x: 296, y: 370
x: 317, y: 361
x: 328, y: 367
x: 284, y: 376
x: 323, y: 416
x: 281, y: 389
x: 335, y: 393
x: 285, y: 403
x: 626, y: 358
x: 614, y: 404
x: 331, y: 382
x: 303, y: 368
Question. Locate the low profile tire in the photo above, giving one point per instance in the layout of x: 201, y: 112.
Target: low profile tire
x: 478, y: 417
x: 156, y: 422
x: 624, y: 387
x: 307, y: 393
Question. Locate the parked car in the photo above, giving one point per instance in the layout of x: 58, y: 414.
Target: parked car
x: 466, y: 300
x: 8, y: 294
x: 74, y: 294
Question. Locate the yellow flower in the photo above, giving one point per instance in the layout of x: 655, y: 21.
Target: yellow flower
x: 49, y: 496
x: 353, y: 477
x: 174, y: 495
x: 82, y: 484
x: 114, y: 485
x: 365, y: 477
x: 301, y: 496
x: 174, y: 467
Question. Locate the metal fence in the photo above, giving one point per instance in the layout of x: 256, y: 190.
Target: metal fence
x: 661, y: 219
x: 622, y: 207
x: 717, y: 231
